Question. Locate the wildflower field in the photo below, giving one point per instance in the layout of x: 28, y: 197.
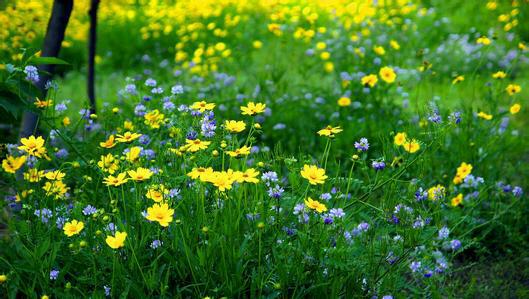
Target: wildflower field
x: 266, y: 149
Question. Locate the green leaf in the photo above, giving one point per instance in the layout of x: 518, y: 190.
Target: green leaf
x: 13, y: 107
x: 46, y: 60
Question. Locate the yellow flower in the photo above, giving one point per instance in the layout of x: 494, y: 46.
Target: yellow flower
x: 42, y: 104
x: 196, y: 145
x: 200, y: 172
x: 400, y: 138
x: 249, y: 176
x: 458, y: 79
x: 499, y: 75
x: 235, y: 126
x: 483, y: 40
x: 387, y: 74
x: 315, y: 205
x: 411, y: 146
x: 66, y: 121
x: 329, y: 131
x: 394, y: 44
x: 463, y: 170
x: 154, y: 119
x: 328, y: 66
x: 3, y: 278
x: 253, y: 108
x: 492, y: 5
x: 133, y: 154
x: 73, y: 227
x: 436, y: 192
x: 456, y: 201
x: 222, y: 180
x: 33, y: 175
x: 513, y: 89
x: 11, y: 164
x: 128, y: 137
x: 160, y: 213
x: 257, y: 44
x: 116, y: 181
x: 515, y: 108
x: 140, y: 174
x: 33, y: 146
x: 108, y: 163
x: 118, y: 241
x: 344, y: 102
x: 243, y: 151
x: 313, y: 174
x: 379, y: 50
x: 202, y: 106
x: 457, y: 180
x: 109, y: 143
x: 157, y: 193
x: 484, y: 115
x: 56, y: 175
x: 55, y: 188
x: 370, y: 80
x: 128, y: 125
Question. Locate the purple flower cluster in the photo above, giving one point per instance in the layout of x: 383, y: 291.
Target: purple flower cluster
x: 362, y: 145
x: 32, y: 73
x: 208, y: 125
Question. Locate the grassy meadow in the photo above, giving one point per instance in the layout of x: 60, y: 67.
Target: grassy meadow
x: 268, y: 149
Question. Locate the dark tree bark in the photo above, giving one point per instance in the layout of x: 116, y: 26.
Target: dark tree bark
x: 60, y: 16
x: 94, y: 5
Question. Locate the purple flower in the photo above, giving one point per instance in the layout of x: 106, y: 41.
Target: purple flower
x: 89, y: 210
x: 269, y: 176
x: 62, y: 153
x: 131, y: 89
x: 157, y: 90
x: 325, y: 196
x: 299, y: 208
x: 415, y: 266
x: 191, y: 135
x: 174, y: 193
x: 428, y: 273
x: 169, y: 106
x: 289, y: 231
x: 61, y: 107
x: 32, y: 74
x: 139, y: 110
x: 150, y: 82
x: 275, y: 192
x: 455, y: 244
x: 111, y: 227
x: 379, y: 165
x: 336, y: 213
x: 148, y: 153
x: 443, y: 233
x: 144, y: 139
x: 177, y: 89
x: 54, y: 274
x: 328, y: 220
x: 363, y: 226
x: 362, y: 145
x: 517, y: 191
x: 44, y: 215
x: 455, y: 117
x: 156, y: 244
x: 107, y: 290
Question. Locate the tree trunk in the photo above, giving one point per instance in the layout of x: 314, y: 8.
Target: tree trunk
x: 59, y: 18
x: 94, y: 5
